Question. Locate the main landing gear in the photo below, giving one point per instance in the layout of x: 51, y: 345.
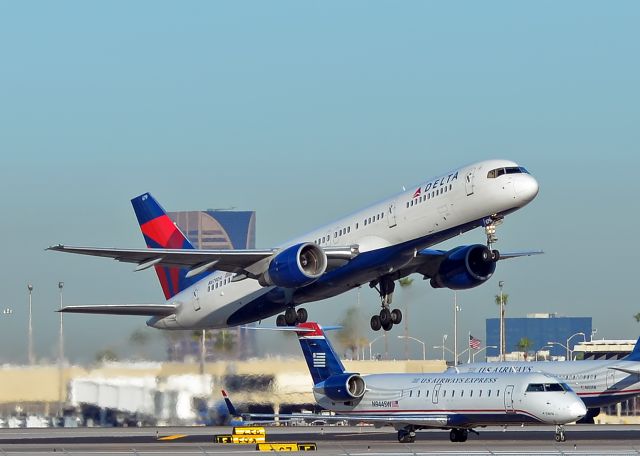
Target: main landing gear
x: 386, y: 318
x: 292, y: 317
x: 407, y: 435
x: 560, y: 437
x: 458, y: 435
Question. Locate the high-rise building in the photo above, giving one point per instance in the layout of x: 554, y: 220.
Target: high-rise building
x: 216, y: 229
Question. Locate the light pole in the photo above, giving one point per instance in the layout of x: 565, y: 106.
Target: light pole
x: 569, y: 351
x: 443, y: 349
x: 371, y: 343
x: 593, y: 332
x: 502, y: 344
x: 473, y: 357
x: 30, y: 335
x: 424, y: 347
x: 455, y: 328
x: 562, y: 345
x: 444, y: 338
x: 60, y: 355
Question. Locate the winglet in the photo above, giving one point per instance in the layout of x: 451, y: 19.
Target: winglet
x: 230, y: 407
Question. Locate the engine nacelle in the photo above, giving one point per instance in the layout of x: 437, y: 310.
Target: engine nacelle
x: 295, y: 266
x: 341, y: 388
x: 465, y: 267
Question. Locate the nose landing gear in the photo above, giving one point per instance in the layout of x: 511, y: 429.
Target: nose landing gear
x: 560, y: 437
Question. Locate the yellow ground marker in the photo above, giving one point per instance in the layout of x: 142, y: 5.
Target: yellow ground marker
x: 173, y: 437
x: 239, y: 439
x: 287, y: 446
x: 249, y: 430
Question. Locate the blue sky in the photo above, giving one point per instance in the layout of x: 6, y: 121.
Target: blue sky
x: 305, y: 111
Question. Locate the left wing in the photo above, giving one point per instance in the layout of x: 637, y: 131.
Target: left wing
x: 236, y: 261
x: 422, y: 420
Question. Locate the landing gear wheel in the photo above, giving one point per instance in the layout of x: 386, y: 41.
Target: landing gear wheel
x: 302, y: 315
x: 405, y: 436
x: 375, y: 323
x: 385, y: 316
x: 495, y: 255
x: 560, y: 437
x: 458, y: 435
x: 387, y: 326
x: 290, y: 316
x: 396, y: 316
x: 280, y: 321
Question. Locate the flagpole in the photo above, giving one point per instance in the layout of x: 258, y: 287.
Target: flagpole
x: 469, y: 358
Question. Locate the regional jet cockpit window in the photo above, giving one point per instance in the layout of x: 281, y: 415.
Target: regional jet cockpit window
x: 510, y: 170
x: 553, y: 387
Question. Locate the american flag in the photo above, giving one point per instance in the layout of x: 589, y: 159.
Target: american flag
x: 473, y: 342
x: 417, y: 192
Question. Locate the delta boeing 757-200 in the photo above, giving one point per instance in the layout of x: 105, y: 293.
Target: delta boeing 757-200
x: 377, y: 245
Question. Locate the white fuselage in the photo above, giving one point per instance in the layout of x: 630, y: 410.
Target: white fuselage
x: 597, y: 382
x: 461, y: 400
x: 388, y: 234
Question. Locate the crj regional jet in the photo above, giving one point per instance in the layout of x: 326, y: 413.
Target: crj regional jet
x: 597, y: 382
x: 455, y: 401
x: 377, y: 245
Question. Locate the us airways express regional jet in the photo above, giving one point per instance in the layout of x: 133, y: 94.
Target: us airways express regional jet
x: 455, y: 401
x: 376, y: 245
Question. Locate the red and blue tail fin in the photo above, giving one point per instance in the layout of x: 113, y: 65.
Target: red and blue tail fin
x: 160, y: 232
x: 321, y: 358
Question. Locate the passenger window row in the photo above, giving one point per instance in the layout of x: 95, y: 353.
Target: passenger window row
x: 429, y: 195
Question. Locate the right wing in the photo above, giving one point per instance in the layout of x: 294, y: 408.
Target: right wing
x: 151, y: 310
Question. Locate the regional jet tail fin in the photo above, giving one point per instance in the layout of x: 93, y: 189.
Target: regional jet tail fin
x: 149, y: 310
x: 321, y: 358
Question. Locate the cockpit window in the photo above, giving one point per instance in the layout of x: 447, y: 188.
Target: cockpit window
x: 510, y: 170
x: 553, y: 387
x: 540, y: 387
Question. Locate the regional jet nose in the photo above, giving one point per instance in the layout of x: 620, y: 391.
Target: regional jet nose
x: 577, y: 410
x: 526, y: 188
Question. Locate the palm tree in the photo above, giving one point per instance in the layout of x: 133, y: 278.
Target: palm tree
x: 502, y: 298
x: 637, y: 317
x: 349, y: 335
x: 524, y: 344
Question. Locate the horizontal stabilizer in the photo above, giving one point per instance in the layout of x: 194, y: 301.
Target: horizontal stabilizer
x: 150, y: 310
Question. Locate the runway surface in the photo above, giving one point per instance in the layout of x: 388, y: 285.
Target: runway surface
x: 354, y: 441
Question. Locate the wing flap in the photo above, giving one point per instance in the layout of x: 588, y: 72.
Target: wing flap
x: 150, y: 310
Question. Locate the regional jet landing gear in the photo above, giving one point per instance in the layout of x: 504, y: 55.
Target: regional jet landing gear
x: 407, y: 435
x: 560, y: 437
x: 292, y: 317
x: 387, y: 318
x: 458, y: 435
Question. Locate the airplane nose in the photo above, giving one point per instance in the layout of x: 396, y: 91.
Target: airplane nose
x: 526, y: 188
x: 577, y: 410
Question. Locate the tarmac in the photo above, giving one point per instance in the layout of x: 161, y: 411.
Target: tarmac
x: 353, y: 441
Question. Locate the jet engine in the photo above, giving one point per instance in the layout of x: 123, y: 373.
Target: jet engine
x: 295, y: 266
x: 465, y: 267
x: 341, y: 388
